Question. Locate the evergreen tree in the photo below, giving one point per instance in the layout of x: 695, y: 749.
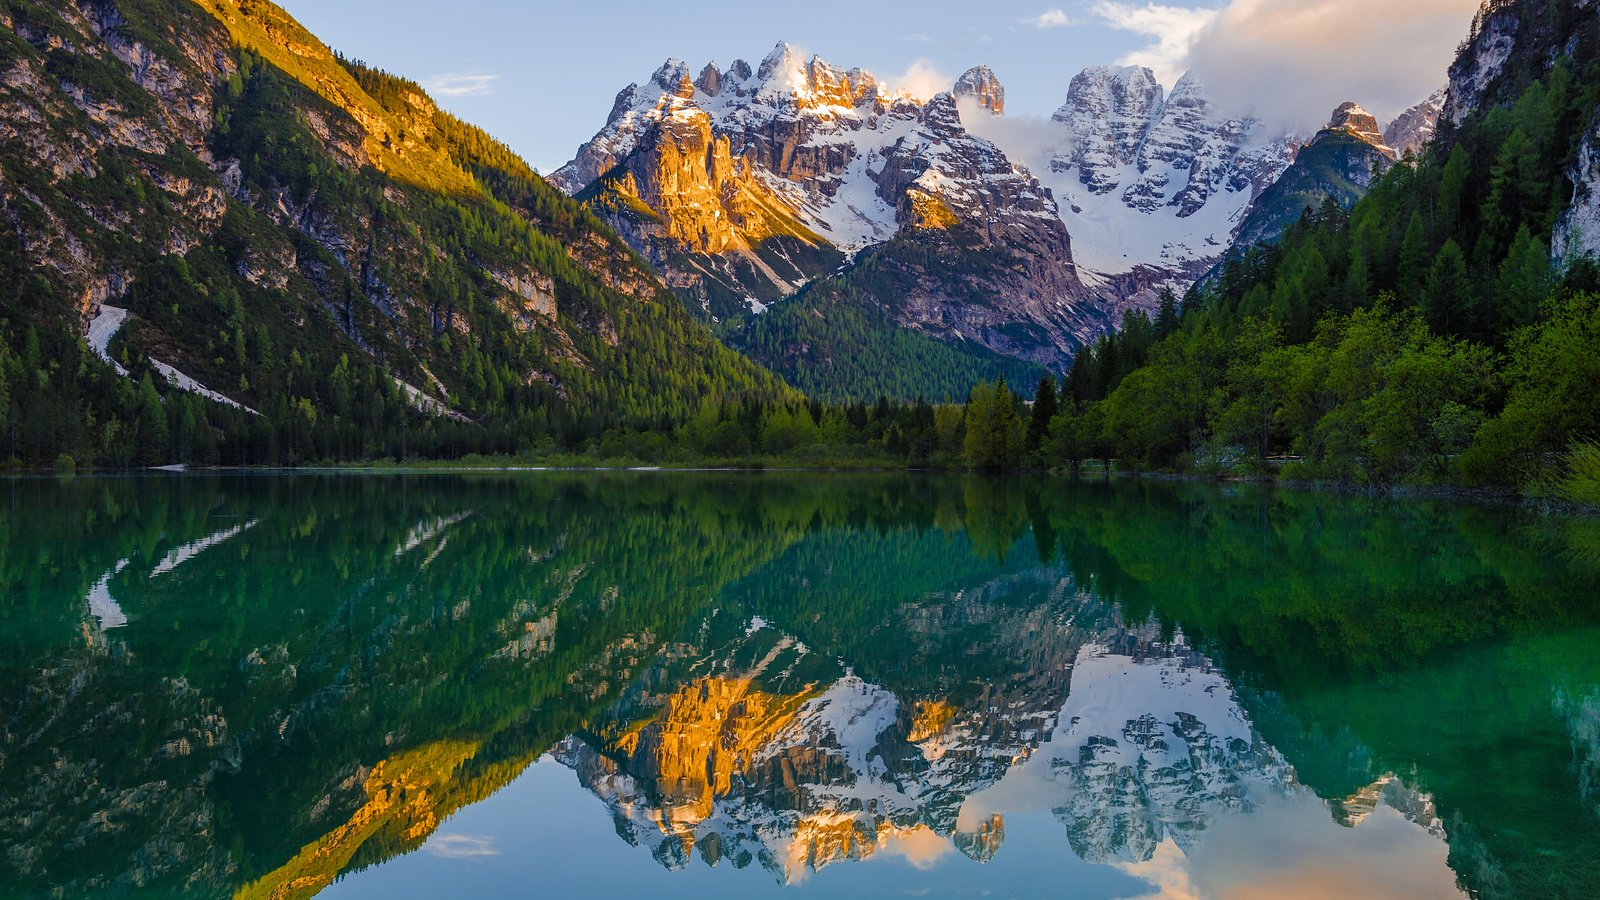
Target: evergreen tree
x: 1447, y: 295
x: 1524, y: 282
x: 1413, y: 270
x: 1045, y: 408
x: 1452, y: 192
x: 1167, y: 316
x: 152, y: 422
x: 995, y: 433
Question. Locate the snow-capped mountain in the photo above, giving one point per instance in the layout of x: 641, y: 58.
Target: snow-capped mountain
x: 848, y: 158
x: 1153, y: 185
x: 744, y: 185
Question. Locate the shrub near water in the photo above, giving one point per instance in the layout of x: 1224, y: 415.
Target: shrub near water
x: 1581, y: 482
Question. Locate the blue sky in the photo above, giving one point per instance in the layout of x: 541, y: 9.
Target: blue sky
x: 542, y: 75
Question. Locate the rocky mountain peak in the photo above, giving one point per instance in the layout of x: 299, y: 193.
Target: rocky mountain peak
x: 1352, y: 119
x: 785, y: 57
x: 1127, y: 92
x: 788, y: 78
x: 1153, y: 184
x: 710, y: 80
x: 1414, y: 129
x: 671, y: 76
x: 980, y: 84
x: 1106, y: 116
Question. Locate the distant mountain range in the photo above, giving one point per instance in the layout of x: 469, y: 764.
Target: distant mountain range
x: 765, y: 185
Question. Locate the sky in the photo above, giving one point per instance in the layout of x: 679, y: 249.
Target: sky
x: 542, y: 75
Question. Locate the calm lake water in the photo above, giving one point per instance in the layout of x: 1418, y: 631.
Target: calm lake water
x: 709, y: 685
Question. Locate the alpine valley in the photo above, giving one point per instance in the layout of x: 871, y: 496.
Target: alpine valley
x: 223, y: 242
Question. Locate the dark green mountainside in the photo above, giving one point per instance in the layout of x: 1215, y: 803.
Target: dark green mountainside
x: 844, y: 338
x: 309, y: 239
x: 1335, y: 168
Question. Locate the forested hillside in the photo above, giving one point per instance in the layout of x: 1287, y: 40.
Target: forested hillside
x: 1426, y: 336
x: 843, y: 338
x: 333, y: 267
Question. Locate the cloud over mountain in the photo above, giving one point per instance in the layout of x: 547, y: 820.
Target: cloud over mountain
x: 1292, y: 60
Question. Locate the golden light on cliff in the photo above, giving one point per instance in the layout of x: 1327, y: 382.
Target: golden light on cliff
x: 928, y: 212
x: 710, y: 731
x: 930, y: 721
x: 403, y: 791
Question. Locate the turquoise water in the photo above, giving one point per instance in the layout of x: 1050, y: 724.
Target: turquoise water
x: 717, y: 685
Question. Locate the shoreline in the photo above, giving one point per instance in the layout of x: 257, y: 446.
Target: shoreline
x: 1500, y: 497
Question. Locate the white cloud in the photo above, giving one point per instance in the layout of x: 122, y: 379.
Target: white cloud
x: 918, y: 38
x: 461, y: 85
x: 923, y: 80
x: 460, y: 846
x: 1050, y: 18
x: 1297, y: 59
x: 1174, y: 30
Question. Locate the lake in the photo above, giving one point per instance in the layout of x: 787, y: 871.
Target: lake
x: 732, y: 685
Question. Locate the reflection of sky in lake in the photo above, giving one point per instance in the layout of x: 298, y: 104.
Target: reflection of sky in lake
x: 545, y: 835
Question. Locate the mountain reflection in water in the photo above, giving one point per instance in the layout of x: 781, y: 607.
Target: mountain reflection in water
x: 725, y: 685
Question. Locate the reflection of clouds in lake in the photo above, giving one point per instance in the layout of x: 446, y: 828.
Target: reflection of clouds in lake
x: 922, y: 847
x: 1290, y: 847
x: 1167, y: 870
x: 461, y: 846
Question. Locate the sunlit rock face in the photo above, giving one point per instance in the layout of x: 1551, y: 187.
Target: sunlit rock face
x: 1354, y: 120
x: 983, y: 86
x: 754, y: 182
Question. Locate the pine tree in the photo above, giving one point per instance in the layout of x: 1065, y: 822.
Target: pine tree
x: 1452, y: 192
x: 1413, y: 261
x: 1045, y: 408
x: 1524, y: 282
x: 995, y: 433
x: 1167, y: 316
x: 1447, y: 295
x: 152, y: 421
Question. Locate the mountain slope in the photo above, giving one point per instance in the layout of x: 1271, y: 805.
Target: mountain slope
x: 308, y: 238
x: 1338, y: 165
x: 1155, y: 185
x: 1441, y: 331
x: 749, y: 186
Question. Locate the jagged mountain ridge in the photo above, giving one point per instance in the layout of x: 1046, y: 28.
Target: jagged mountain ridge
x: 1413, y: 130
x: 798, y: 154
x: 796, y: 161
x: 1163, y: 180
